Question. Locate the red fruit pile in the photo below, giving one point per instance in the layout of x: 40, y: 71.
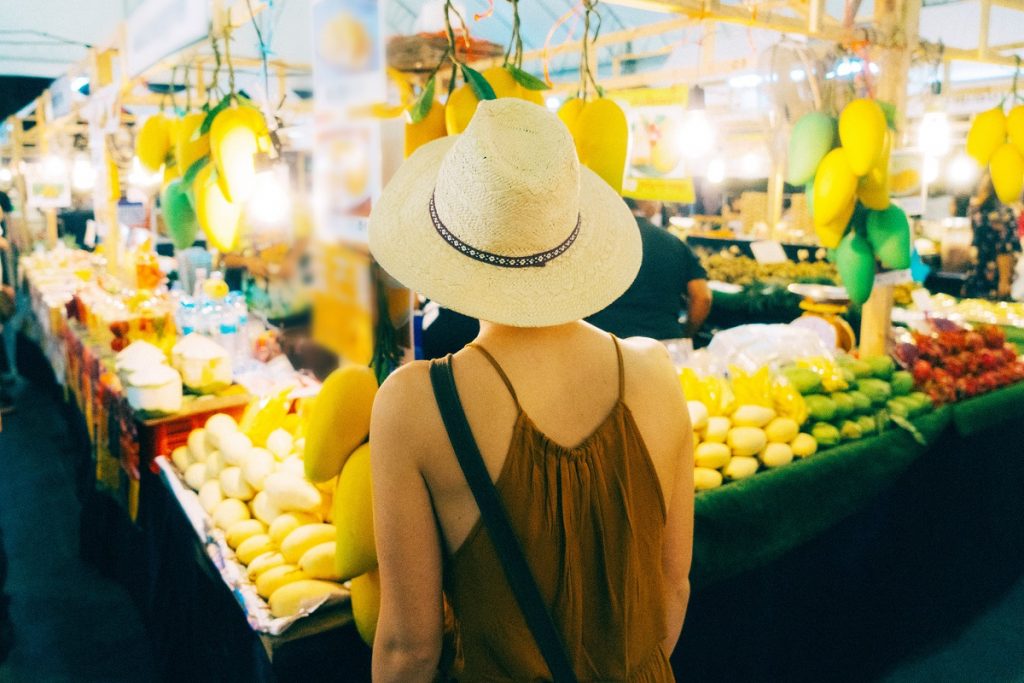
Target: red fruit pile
x: 954, y: 364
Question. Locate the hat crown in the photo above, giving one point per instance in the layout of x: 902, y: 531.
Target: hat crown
x: 510, y: 183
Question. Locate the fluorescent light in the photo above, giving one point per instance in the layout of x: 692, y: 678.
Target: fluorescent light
x: 54, y: 168
x: 83, y: 175
x: 697, y: 135
x: 270, y: 202
x: 716, y: 171
x: 745, y: 81
x: 962, y: 171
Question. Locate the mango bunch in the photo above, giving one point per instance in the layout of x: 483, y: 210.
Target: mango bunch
x: 848, y: 189
x: 291, y: 493
x: 996, y: 140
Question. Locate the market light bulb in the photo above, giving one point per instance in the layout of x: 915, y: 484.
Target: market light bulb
x: 141, y: 178
x: 553, y: 103
x: 934, y: 136
x: 54, y: 168
x: 697, y: 135
x: 716, y: 171
x: 83, y: 175
x: 797, y: 75
x: 745, y: 81
x: 930, y: 169
x: 962, y: 171
x: 6, y: 176
x: 751, y: 165
x: 270, y: 202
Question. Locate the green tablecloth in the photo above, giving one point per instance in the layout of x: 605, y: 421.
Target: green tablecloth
x: 985, y: 412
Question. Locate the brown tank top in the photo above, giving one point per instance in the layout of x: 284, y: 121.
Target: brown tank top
x: 590, y: 519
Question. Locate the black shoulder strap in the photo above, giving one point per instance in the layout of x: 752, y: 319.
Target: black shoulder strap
x: 495, y: 519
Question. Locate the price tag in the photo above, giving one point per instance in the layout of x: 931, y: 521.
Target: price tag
x: 922, y: 300
x: 768, y: 251
x: 893, y: 277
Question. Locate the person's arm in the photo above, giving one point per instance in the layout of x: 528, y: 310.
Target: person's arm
x: 698, y: 305
x: 407, y: 646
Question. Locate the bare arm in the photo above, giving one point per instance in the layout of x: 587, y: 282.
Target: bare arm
x: 699, y: 305
x: 407, y: 646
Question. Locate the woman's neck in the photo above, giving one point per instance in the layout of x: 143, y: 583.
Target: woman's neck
x: 500, y: 333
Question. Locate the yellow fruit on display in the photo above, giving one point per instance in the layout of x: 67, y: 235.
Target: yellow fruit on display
x: 717, y: 429
x: 746, y: 441
x: 229, y: 512
x: 290, y: 492
x: 252, y: 547
x: 459, y: 110
x: 262, y: 563
x: 241, y: 531
x: 705, y: 478
x: 698, y: 415
x: 234, y: 142
x: 1007, y: 169
x: 432, y: 127
x: 777, y: 455
x: 210, y: 495
x: 1015, y: 127
x: 804, y: 445
x: 835, y: 188
x: 987, y: 132
x: 318, y: 562
x: 287, y: 523
x: 505, y: 85
x: 181, y: 458
x: 197, y: 444
x: 862, y: 130
x: 340, y: 420
x: 153, y: 143
x: 214, y: 464
x: 752, y: 416
x: 257, y: 466
x: 263, y: 509
x: 570, y: 113
x: 831, y: 234
x: 366, y: 604
x: 195, y: 475
x: 711, y: 455
x: 275, y: 577
x: 295, y: 544
x: 187, y: 150
x: 603, y: 141
x: 234, y: 485
x: 873, y: 189
x: 219, y: 218
x: 305, y: 595
x: 781, y: 430
x: 113, y: 181
x: 353, y: 516
x: 740, y: 467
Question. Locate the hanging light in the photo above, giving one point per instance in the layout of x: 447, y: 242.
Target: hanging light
x: 962, y: 171
x: 716, y: 171
x: 53, y: 167
x: 6, y: 176
x: 83, y: 175
x: 141, y: 178
x: 270, y: 203
x: 697, y: 135
x: 930, y: 170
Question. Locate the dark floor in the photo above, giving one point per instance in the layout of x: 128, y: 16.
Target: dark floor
x: 72, y: 624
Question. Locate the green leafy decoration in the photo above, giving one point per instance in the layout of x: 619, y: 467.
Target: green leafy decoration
x: 481, y: 88
x: 421, y: 107
x: 193, y: 170
x: 525, y: 78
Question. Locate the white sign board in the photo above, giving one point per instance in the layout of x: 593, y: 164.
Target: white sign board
x: 768, y: 251
x: 158, y: 28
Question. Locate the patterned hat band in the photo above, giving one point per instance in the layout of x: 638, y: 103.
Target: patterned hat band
x: 531, y: 261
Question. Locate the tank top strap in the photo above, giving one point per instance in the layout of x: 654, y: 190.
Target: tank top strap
x: 501, y: 373
x: 622, y: 369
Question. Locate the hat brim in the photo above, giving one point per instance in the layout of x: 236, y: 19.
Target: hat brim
x: 598, y: 267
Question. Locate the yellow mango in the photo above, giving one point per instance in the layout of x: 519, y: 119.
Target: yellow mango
x: 604, y: 140
x: 252, y: 547
x: 740, y: 467
x: 831, y: 234
x: 746, y: 441
x: 287, y: 523
x: 432, y: 127
x: 862, y: 129
x: 340, y: 420
x: 1015, y: 127
x: 153, y: 142
x: 219, y: 218
x: 365, y: 597
x: 262, y: 563
x: 781, y: 430
x: 835, y: 187
x: 711, y: 455
x: 244, y: 530
x: 275, y: 577
x: 263, y: 509
x: 295, y: 544
x: 873, y: 189
x: 234, y: 142
x: 777, y: 455
x: 210, y: 495
x: 705, y: 478
x: 353, y: 516
x: 570, y: 113
x: 1007, y: 168
x: 186, y: 150
x: 752, y: 416
x: 318, y: 562
x: 229, y: 512
x: 459, y: 110
x: 505, y: 85
x: 298, y: 596
x: 986, y: 134
x: 717, y: 429
x: 804, y: 445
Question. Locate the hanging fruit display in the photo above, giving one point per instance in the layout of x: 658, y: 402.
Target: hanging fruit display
x: 996, y: 139
x: 153, y: 144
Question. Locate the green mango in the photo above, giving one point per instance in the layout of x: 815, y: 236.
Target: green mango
x: 898, y: 407
x: 850, y: 431
x: 902, y: 383
x: 809, y: 193
x: 825, y: 434
x: 820, y: 408
x: 877, y: 390
x: 856, y: 265
x: 803, y: 380
x: 812, y: 138
x: 861, y: 403
x: 179, y: 216
x: 844, y: 404
x: 867, y: 425
x: 923, y: 401
x: 889, y: 234
x: 882, y: 367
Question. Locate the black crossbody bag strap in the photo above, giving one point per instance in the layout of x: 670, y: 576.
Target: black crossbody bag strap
x: 495, y: 519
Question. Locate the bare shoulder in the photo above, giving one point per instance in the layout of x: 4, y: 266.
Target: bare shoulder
x: 648, y: 365
x: 404, y: 411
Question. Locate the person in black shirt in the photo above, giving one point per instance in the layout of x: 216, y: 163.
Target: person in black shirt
x: 669, y: 273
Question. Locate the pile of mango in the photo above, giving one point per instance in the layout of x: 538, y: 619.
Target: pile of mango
x: 209, y: 162
x: 844, y: 166
x: 850, y: 398
x: 291, y: 493
x: 996, y: 140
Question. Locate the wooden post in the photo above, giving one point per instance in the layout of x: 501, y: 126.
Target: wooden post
x: 42, y: 122
x: 22, y: 236
x: 897, y: 21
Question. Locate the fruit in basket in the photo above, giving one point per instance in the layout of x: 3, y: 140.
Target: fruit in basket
x: 844, y: 404
x: 705, y: 478
x: 861, y: 403
x: 353, y: 516
x: 856, y: 264
x: 241, y: 531
x: 234, y: 485
x: 216, y: 426
x: 210, y: 495
x: 195, y: 475
x: 366, y: 604
x: 776, y: 455
x: 154, y: 140
x: 781, y: 430
x: 293, y: 598
x: 263, y: 563
x: 804, y: 445
x: 289, y: 522
x: 197, y: 444
x: 263, y: 509
x: 276, y: 577
x: 290, y: 492
x: 812, y: 137
x: 252, y: 547
x: 257, y: 466
x: 280, y: 442
x: 711, y: 455
x: 717, y: 429
x: 821, y: 408
x: 1007, y: 169
x: 849, y: 430
x: 752, y: 416
x: 228, y: 512
x: 825, y: 434
x: 902, y: 383
x: 340, y: 420
x: 318, y: 562
x: 987, y: 132
x: 740, y: 467
x: 862, y: 129
x: 295, y: 544
x: 746, y: 441
x: 214, y: 464
x: 888, y: 232
x: 698, y: 415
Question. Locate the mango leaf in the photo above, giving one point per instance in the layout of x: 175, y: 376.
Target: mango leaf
x: 193, y: 170
x: 908, y: 426
x: 421, y: 107
x: 600, y: 91
x: 526, y: 79
x: 481, y: 88
x: 211, y: 115
x: 890, y: 113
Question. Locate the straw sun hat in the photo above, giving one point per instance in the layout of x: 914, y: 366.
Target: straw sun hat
x: 502, y: 223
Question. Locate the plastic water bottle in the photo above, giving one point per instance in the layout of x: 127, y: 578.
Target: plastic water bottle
x: 187, y: 317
